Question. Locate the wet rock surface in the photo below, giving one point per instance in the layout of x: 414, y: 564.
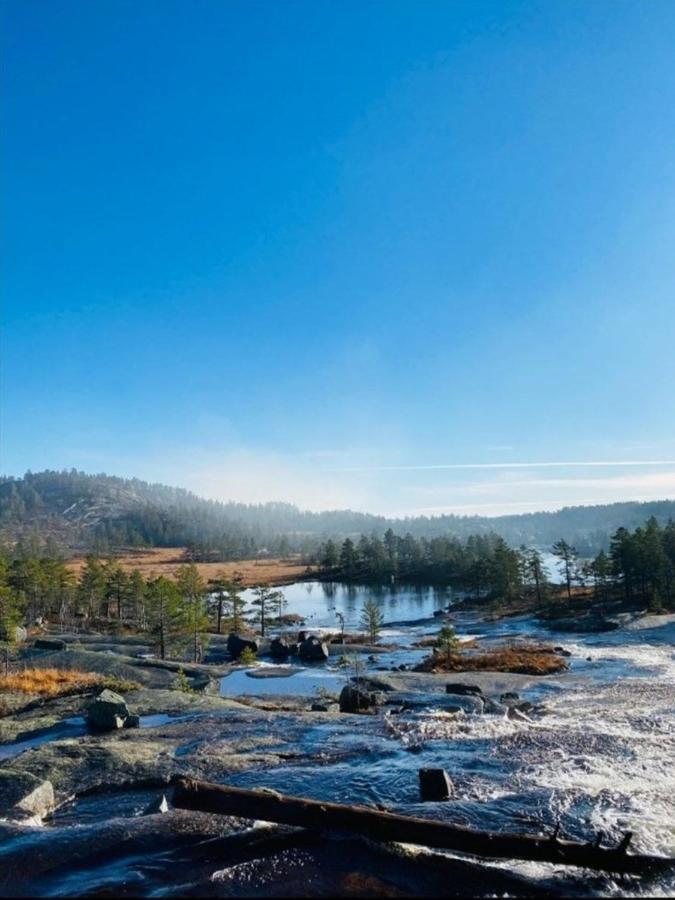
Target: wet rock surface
x: 582, y: 764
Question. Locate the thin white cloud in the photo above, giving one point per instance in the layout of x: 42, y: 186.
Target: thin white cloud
x: 562, y: 464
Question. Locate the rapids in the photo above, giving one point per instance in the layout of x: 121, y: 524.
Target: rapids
x: 600, y: 757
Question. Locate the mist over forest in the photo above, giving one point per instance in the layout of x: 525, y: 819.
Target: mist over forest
x: 71, y: 511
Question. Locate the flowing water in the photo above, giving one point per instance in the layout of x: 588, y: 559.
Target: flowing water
x: 599, y: 757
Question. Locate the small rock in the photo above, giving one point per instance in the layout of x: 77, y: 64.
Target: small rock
x: 509, y: 697
x: 491, y: 707
x: 514, y: 713
x: 158, y: 805
x: 465, y: 689
x: 132, y: 721
x: 435, y: 785
x: 50, y: 644
x: 374, y: 684
x: 561, y: 651
x: 355, y: 700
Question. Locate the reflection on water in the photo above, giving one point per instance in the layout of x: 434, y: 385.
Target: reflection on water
x: 318, y: 602
x: 302, y: 682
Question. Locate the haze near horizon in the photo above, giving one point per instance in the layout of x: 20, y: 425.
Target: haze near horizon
x: 404, y: 258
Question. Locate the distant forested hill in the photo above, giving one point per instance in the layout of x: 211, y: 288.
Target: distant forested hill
x: 76, y: 511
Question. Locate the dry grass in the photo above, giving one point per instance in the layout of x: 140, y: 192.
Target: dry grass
x: 59, y: 682
x: 525, y: 659
x: 167, y: 560
x: 47, y: 682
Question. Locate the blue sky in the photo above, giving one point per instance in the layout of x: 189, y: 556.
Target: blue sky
x: 327, y: 251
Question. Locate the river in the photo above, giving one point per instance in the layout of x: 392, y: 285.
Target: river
x: 599, y: 758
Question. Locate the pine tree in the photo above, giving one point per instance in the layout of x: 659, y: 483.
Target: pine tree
x: 264, y: 598
x: 91, y: 587
x: 568, y: 562
x: 371, y: 619
x: 447, y: 641
x: 164, y: 613
x: 192, y: 590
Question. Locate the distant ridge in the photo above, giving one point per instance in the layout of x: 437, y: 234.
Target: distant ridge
x: 77, y: 511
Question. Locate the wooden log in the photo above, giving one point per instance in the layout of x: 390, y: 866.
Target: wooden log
x: 385, y: 826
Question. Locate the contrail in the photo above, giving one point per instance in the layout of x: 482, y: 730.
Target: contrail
x: 512, y: 465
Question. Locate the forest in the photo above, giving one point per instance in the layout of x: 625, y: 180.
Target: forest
x: 640, y: 567
x: 639, y: 563
x: 69, y: 511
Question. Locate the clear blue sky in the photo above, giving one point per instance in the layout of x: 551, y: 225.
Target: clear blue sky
x: 317, y: 251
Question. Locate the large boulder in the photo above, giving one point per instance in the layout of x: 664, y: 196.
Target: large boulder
x: 50, y: 644
x: 236, y: 644
x: 355, y: 699
x: 313, y: 650
x: 280, y: 648
x: 15, y: 634
x: 108, y: 712
x: 435, y: 785
x: 24, y: 795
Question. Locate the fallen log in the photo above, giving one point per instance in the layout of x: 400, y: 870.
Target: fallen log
x: 385, y: 826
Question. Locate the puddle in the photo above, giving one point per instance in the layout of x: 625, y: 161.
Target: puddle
x: 69, y: 728
x: 291, y: 680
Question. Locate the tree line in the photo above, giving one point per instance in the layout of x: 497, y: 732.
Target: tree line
x: 174, y: 614
x: 639, y: 568
x: 640, y: 564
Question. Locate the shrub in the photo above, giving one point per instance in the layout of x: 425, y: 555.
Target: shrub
x: 247, y: 656
x: 182, y: 683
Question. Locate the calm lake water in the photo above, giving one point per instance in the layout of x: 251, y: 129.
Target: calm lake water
x: 318, y: 602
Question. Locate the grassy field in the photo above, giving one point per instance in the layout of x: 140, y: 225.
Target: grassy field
x: 167, y: 560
